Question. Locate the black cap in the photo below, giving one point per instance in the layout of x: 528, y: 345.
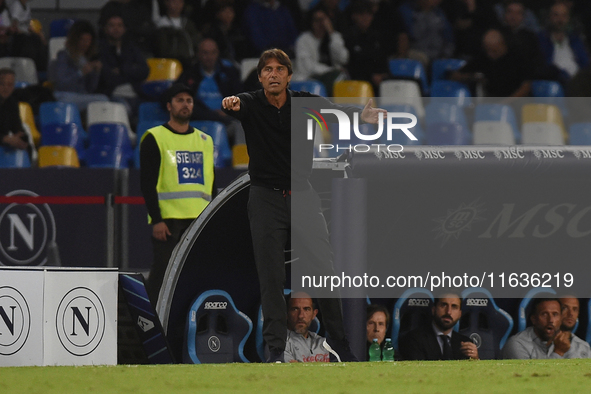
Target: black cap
x: 175, y: 89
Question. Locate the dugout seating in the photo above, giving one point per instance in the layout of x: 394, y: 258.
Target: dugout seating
x: 216, y: 330
x: 525, y: 305
x: 412, y: 310
x: 484, y: 322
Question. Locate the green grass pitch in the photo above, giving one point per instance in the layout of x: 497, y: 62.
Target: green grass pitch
x: 513, y: 376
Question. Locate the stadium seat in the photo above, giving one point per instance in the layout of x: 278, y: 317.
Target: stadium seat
x: 144, y: 125
x: 352, y: 92
x: 541, y: 133
x: 163, y: 73
x: 493, y: 133
x: 27, y: 117
x: 217, y: 131
x: 525, y: 304
x: 410, y: 69
x: 136, y: 156
x: 580, y: 134
x: 412, y: 310
x: 543, y: 113
x: 152, y: 111
x: 484, y: 322
x: 36, y: 26
x: 240, y: 157
x: 109, y: 112
x: 399, y: 137
x: 588, y: 338
x: 65, y: 156
x: 451, y: 92
x: 216, y: 330
x: 498, y: 113
x: 541, y: 88
x: 103, y: 156
x: 64, y: 134
x: 114, y: 135
x: 402, y: 92
x: 447, y: 133
x: 14, y: 158
x: 247, y: 66
x: 437, y: 112
x: 60, y: 27
x: 56, y: 44
x: 440, y: 67
x: 23, y: 67
x: 59, y: 112
x: 310, y: 85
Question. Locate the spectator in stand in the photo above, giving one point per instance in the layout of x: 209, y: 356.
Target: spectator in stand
x: 268, y: 24
x: 368, y: 59
x: 337, y: 17
x: 6, y: 29
x: 430, y: 33
x: 470, y: 20
x: 12, y: 133
x: 564, y: 53
x: 124, y: 65
x: 530, y: 20
x: 175, y: 23
x: 321, y: 52
x: 377, y: 324
x: 136, y: 15
x: 76, y: 71
x: 27, y: 42
x: 388, y: 21
x: 502, y: 72
x: 213, y: 79
x: 231, y: 40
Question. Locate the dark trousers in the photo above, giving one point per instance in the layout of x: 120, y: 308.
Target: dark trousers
x: 162, y: 252
x: 271, y: 226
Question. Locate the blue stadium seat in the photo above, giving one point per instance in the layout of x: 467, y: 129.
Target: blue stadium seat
x: 14, y: 158
x: 451, y: 92
x: 110, y: 134
x: 60, y: 27
x: 152, y: 111
x: 448, y: 133
x: 484, y: 322
x: 440, y: 67
x: 311, y: 85
x: 64, y: 134
x: 399, y: 137
x: 541, y: 88
x: 217, y: 131
x: 410, y: 69
x: 136, y: 156
x: 437, y: 112
x: 154, y: 89
x: 580, y: 134
x: 498, y: 113
x: 144, y: 125
x: 412, y: 310
x: 216, y: 330
x: 59, y: 112
x: 525, y: 304
x: 103, y: 156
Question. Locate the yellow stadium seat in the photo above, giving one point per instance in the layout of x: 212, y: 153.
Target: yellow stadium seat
x: 164, y: 69
x: 352, y: 92
x: 36, y: 26
x: 240, y: 156
x: 27, y: 118
x: 545, y: 113
x: 65, y: 156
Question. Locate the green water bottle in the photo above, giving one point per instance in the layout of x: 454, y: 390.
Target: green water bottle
x: 388, y: 352
x: 375, y: 352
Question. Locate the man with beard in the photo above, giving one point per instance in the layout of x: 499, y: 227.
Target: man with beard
x: 570, y: 315
x: 544, y: 339
x: 301, y: 344
x: 177, y: 179
x: 438, y: 340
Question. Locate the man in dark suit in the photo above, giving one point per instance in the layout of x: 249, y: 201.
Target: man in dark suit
x: 438, y: 341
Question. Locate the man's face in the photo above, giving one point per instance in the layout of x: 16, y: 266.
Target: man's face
x: 175, y: 7
x: 300, y: 313
x: 181, y: 107
x: 274, y: 77
x: 447, y: 312
x: 115, y: 28
x: 514, y: 15
x: 376, y: 327
x: 494, y: 45
x: 208, y: 54
x: 546, y: 320
x: 362, y: 20
x: 559, y: 17
x: 6, y: 85
x: 570, y: 313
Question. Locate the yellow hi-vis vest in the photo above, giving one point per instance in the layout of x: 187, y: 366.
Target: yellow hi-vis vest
x: 185, y: 180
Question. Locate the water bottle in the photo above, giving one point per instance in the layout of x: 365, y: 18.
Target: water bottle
x: 375, y: 352
x: 388, y: 352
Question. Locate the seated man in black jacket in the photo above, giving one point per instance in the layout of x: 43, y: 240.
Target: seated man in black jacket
x: 438, y: 340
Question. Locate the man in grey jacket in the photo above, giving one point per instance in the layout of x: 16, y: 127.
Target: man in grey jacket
x: 303, y: 345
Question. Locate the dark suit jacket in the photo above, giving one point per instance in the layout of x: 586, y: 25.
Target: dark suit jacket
x: 422, y: 344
